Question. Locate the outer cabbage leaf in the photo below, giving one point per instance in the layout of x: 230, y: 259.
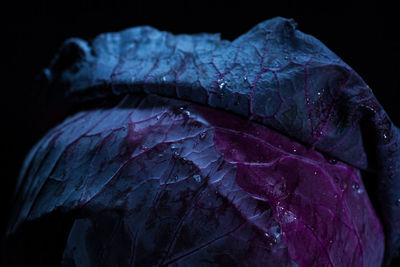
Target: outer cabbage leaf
x: 165, y: 182
x: 274, y: 75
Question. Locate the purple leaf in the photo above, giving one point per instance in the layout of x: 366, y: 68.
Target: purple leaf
x: 322, y: 208
x: 159, y: 181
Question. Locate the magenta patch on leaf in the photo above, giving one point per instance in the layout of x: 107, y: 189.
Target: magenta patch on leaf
x: 324, y: 212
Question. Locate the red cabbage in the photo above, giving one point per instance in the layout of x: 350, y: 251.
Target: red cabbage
x: 166, y: 177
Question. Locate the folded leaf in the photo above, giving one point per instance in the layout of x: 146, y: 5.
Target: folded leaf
x: 260, y: 174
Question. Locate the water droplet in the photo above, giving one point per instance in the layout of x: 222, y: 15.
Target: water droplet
x: 307, y: 100
x: 330, y: 241
x: 187, y: 113
x: 245, y: 78
x: 173, y: 146
x: 164, y: 78
x: 318, y: 93
x: 384, y: 136
x: 222, y: 85
x: 286, y: 58
x: 294, y: 150
x: 370, y: 108
x: 158, y: 117
x: 315, y: 173
x: 398, y: 202
x: 203, y: 135
x: 197, y: 178
x: 332, y: 161
x: 355, y: 186
x: 271, y: 238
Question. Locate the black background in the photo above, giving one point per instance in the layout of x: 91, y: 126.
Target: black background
x: 364, y: 34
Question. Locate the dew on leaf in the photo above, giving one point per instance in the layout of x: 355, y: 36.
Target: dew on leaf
x: 197, y: 178
x: 332, y: 161
x: 203, y: 135
x: 355, y: 186
x: 222, y: 85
